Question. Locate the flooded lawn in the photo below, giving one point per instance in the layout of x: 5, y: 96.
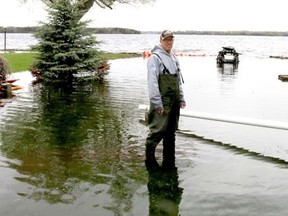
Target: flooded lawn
x: 81, y: 151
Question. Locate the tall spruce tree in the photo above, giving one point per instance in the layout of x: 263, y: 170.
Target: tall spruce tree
x: 67, y: 50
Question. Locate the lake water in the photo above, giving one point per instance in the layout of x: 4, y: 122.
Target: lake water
x: 249, y: 46
x: 81, y: 152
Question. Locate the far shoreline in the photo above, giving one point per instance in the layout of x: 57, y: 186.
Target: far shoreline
x: 116, y: 30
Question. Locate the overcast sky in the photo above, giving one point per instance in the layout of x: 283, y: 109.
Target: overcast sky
x: 220, y: 15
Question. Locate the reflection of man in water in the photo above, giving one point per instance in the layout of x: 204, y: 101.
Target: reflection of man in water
x: 164, y: 192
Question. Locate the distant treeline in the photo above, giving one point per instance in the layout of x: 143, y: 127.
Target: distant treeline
x: 132, y: 31
x: 114, y: 31
x: 248, y: 33
x: 93, y: 30
x: 235, y: 33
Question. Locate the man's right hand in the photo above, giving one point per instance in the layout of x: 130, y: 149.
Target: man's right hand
x: 160, y: 111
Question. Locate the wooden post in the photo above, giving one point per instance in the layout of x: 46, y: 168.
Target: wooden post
x: 5, y: 30
x: 5, y: 39
x: 7, y: 90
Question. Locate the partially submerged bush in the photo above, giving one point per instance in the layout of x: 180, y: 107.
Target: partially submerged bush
x: 4, y: 68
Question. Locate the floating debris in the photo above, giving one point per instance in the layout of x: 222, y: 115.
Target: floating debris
x: 283, y: 78
x: 279, y: 57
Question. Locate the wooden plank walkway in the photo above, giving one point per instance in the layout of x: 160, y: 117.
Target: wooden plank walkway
x: 283, y: 77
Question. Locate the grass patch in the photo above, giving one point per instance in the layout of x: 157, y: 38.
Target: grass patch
x: 19, y: 61
x: 22, y: 61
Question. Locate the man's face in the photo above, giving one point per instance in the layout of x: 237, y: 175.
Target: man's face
x: 167, y: 44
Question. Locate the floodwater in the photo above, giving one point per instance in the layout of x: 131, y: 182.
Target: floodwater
x: 81, y: 152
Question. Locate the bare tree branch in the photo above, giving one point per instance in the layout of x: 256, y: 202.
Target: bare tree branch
x: 86, y: 5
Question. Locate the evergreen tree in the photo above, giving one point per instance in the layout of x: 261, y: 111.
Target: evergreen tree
x: 67, y: 50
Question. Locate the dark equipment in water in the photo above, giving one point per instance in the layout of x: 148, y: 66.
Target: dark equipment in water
x: 227, y: 55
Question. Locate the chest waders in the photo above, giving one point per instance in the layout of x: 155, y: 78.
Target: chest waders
x: 164, y: 126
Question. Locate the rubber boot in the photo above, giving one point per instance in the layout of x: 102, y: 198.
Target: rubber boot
x: 168, y: 154
x: 150, y: 162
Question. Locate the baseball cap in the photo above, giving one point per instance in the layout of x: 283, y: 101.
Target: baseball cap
x: 165, y: 34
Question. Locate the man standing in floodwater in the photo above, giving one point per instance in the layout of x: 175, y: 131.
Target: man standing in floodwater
x: 166, y: 98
